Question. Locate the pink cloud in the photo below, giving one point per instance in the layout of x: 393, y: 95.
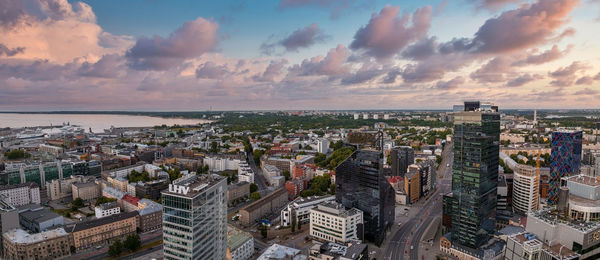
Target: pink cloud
x: 191, y: 40
x: 386, y: 34
x: 330, y: 65
x: 566, y: 76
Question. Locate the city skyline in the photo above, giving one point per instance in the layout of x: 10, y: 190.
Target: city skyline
x: 289, y: 54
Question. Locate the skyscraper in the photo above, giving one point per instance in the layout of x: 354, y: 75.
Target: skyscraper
x: 402, y: 157
x: 195, y: 218
x: 565, y: 159
x: 472, y: 203
x: 360, y: 184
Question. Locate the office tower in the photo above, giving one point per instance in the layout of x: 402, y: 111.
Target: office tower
x: 471, y: 205
x: 360, y: 184
x: 565, y: 159
x: 402, y: 157
x: 195, y: 218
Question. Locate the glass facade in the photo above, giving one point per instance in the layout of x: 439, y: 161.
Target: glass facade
x: 195, y: 225
x: 360, y: 184
x: 472, y: 203
x: 49, y: 171
x: 565, y: 159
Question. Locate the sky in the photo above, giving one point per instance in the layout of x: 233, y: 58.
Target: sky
x: 188, y: 55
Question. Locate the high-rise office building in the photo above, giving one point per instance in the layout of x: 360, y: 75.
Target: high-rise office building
x: 360, y: 184
x: 195, y: 218
x: 471, y: 206
x: 402, y: 157
x: 565, y: 159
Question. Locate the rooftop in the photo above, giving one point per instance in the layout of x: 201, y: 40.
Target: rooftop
x: 585, y: 180
x: 531, y: 240
x: 236, y: 237
x: 149, y: 207
x: 257, y: 204
x: 277, y: 251
x: 20, y: 236
x: 103, y: 221
x: 550, y: 215
x: 31, y: 185
x: 108, y: 205
x: 196, y: 184
x: 38, y: 215
x: 332, y: 207
x: 80, y: 185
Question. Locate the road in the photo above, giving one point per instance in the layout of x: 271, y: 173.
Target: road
x: 259, y: 179
x: 406, y: 240
x: 102, y: 253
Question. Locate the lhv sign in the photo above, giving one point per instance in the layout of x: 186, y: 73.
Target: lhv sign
x: 179, y: 189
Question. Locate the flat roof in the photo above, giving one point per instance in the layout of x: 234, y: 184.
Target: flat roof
x: 236, y: 237
x: 257, y: 204
x: 103, y: 221
x: 584, y: 179
x: 196, y: 183
x: 39, y: 215
x: 21, y: 236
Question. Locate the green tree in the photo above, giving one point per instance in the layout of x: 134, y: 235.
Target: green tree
x: 17, y: 154
x: 77, y: 203
x: 116, y: 248
x: 214, y: 147
x: 263, y: 230
x: 132, y: 242
x: 102, y: 200
x: 255, y: 196
x: 253, y: 187
x: 286, y: 174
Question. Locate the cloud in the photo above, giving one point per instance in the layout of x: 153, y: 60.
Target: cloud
x: 330, y: 65
x: 272, y: 71
x: 386, y: 34
x: 585, y: 80
x: 10, y: 52
x: 547, y: 56
x: 566, y: 76
x: 493, y: 71
x: 209, y: 70
x: 492, y: 4
x: 523, y: 79
x: 450, y: 84
x: 190, y: 40
x: 109, y: 66
x: 367, y: 72
x: 586, y: 91
x: 523, y: 27
x: 421, y: 49
x: 11, y: 12
x: 301, y: 38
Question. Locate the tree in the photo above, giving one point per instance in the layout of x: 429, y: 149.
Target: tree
x: 214, y: 147
x: 299, y: 225
x: 253, y: 187
x: 286, y: 174
x: 255, y: 196
x: 102, y: 200
x: 202, y: 169
x: 17, y: 154
x: 116, y: 248
x: 77, y: 203
x: 263, y: 230
x: 132, y: 242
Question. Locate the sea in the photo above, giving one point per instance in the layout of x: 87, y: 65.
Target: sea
x: 96, y: 122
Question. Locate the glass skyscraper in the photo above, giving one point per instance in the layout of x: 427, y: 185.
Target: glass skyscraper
x: 472, y: 203
x: 565, y: 159
x: 195, y: 218
x: 401, y: 157
x: 360, y: 184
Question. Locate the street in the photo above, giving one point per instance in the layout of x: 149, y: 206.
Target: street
x: 406, y: 240
x: 259, y: 179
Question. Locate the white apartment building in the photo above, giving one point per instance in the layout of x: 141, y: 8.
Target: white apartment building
x: 323, y: 146
x: 240, y: 244
x: 107, y: 209
x: 330, y: 221
x: 525, y: 189
x: 221, y: 164
x: 124, y: 171
x: 21, y: 194
x: 245, y: 173
x: 300, y: 208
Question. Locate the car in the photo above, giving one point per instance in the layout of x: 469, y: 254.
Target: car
x: 98, y: 247
x: 447, y: 165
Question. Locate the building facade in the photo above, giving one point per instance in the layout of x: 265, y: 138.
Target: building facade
x: 565, y: 159
x: 360, y: 183
x: 240, y: 244
x: 21, y: 194
x: 402, y: 157
x: 107, y: 209
x: 195, y: 218
x: 270, y: 204
x: 330, y: 221
x: 300, y: 209
x: 525, y: 189
x: 102, y: 232
x: 471, y: 206
x: 51, y: 244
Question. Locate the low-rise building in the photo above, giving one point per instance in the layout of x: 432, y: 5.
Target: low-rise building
x: 151, y: 189
x: 85, y: 191
x: 61, y: 188
x: 150, y: 215
x: 526, y: 246
x: 268, y: 205
x: 331, y: 221
x: 118, y: 183
x: 333, y: 251
x: 51, y: 244
x: 101, y: 232
x: 237, y: 191
x: 107, y: 209
x: 245, y: 173
x: 300, y: 209
x: 240, y: 244
x: 279, y: 252
x: 36, y: 218
x: 21, y: 194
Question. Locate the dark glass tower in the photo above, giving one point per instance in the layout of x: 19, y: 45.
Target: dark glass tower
x: 471, y: 205
x: 360, y: 184
x: 402, y: 157
x: 565, y: 159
